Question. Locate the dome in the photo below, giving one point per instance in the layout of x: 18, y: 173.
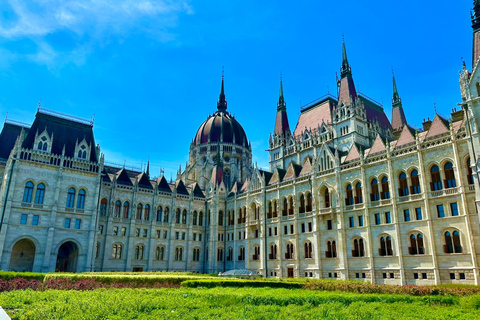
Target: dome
x: 221, y: 127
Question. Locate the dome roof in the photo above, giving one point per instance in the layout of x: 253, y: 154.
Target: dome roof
x: 221, y: 126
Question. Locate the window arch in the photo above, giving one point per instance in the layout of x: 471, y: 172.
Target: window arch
x: 469, y: 172
x: 415, y: 188
x: 179, y: 253
x: 326, y: 197
x: 375, y: 195
x: 165, y: 214
x: 177, y: 216
x: 358, y: 248
x: 301, y: 209
x: 103, y: 207
x: 139, y: 211
x: 385, y: 189
x: 403, y: 185
x: 290, y: 206
x: 126, y: 209
x: 146, y: 213
x: 385, y: 246
x: 139, y: 252
x: 452, y: 242
x: 285, y: 207
x: 273, y: 251
x: 289, y: 254
x: 39, y: 194
x: 241, y: 253
x: 200, y: 218
x: 449, y: 175
x: 436, y: 183
x: 81, y: 199
x: 160, y: 253
x: 358, y: 193
x: 230, y: 254
x: 220, y: 254
x: 220, y: 218
x: 270, y: 211
x: 184, y: 216
x: 194, y: 218
x: 116, y: 211
x: 70, y: 198
x: 331, y: 249
x: 349, y: 199
x: 159, y: 213
x: 416, y: 244
x: 308, y: 250
x: 309, y: 202
x: 117, y: 251
x: 196, y: 254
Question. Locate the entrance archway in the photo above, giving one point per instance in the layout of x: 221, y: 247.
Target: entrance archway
x: 67, y: 257
x: 23, y: 255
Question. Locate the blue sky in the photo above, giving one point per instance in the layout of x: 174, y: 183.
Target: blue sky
x: 150, y: 71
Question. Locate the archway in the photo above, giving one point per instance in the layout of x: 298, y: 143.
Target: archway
x: 67, y: 257
x: 23, y: 255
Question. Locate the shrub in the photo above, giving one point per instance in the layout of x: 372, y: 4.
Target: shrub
x: 19, y: 284
x: 9, y: 275
x: 237, y: 283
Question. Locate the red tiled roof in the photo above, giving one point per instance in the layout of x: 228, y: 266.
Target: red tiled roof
x: 406, y: 137
x: 398, y: 118
x: 307, y: 166
x: 347, y: 89
x: 376, y: 113
x: 281, y: 122
x: 353, y: 154
x: 312, y: 118
x: 378, y: 146
x: 437, y: 127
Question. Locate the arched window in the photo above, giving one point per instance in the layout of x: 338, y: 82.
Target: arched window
x: 40, y: 194
x: 139, y: 252
x: 241, y: 255
x: 195, y: 217
x: 230, y: 254
x: 27, y: 192
x: 416, y: 244
x: 40, y: 145
x: 374, y: 196
x: 178, y: 253
x: 331, y: 249
x: 81, y: 199
x: 449, y: 176
x: 70, y: 198
x: 385, y: 189
x: 220, y: 218
x: 402, y: 181
x: 415, y: 188
x: 469, y: 172
x: 79, y: 153
x: 159, y: 213
x: 103, y: 207
x: 436, y: 183
x: 289, y: 254
x: 349, y: 198
x: 309, y: 202
x: 273, y: 252
x: 177, y: 216
x: 308, y: 250
x: 220, y: 254
x: 358, y: 248
x: 126, y: 209
x: 139, y: 211
x: 200, y: 218
x: 269, y: 212
x: 452, y: 243
x: 146, y: 212
x: 301, y: 209
x: 358, y: 193
x: 196, y: 254
x: 97, y: 250
x: 385, y: 246
x: 275, y: 213
x: 165, y: 214
x: 45, y: 146
x: 290, y: 206
x: 116, y: 212
x: 326, y: 196
x: 285, y: 207
x: 159, y: 253
x: 117, y: 251
x: 184, y: 216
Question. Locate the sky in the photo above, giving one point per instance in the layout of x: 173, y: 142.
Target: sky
x: 149, y: 72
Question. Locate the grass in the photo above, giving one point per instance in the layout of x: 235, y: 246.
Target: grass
x: 232, y: 303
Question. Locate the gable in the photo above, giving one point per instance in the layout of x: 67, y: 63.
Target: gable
x: 378, y: 146
x: 406, y: 137
x: 353, y: 154
x: 438, y: 127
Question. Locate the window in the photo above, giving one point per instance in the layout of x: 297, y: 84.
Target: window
x: 139, y: 211
x: 27, y: 193
x: 440, y: 211
x: 177, y: 216
x: 406, y: 215
x: 351, y: 222
x: 165, y: 234
x: 331, y: 249
x: 39, y: 195
x: 360, y: 221
x: 385, y: 190
x: 183, y: 235
x: 329, y: 225
x: 179, y: 254
x: 291, y: 229
x: 452, y: 276
x: 303, y: 227
x: 415, y: 188
x: 415, y: 275
x: 256, y: 252
x: 146, y: 213
x: 416, y: 244
x: 289, y: 254
x: 124, y: 231
x: 469, y: 172
x: 78, y: 223
x: 145, y: 233
x: 159, y: 253
x: 358, y: 248
x: 327, y: 198
x: 117, y: 251
x: 374, y: 196
x: 385, y: 246
x: 388, y: 218
x: 116, y: 212
x: 23, y: 218
x: 241, y: 256
x: 309, y: 203
x: 349, y: 199
x: 418, y: 213
x: 137, y: 232
x: 184, y: 216
x: 302, y: 204
x: 424, y: 275
x: 402, y: 180
x: 103, y: 207
x: 461, y: 275
x: 377, y: 219
x: 97, y: 250
x: 177, y: 235
x: 308, y: 250
x: 139, y: 252
x: 165, y: 214
x: 310, y: 228
x: 449, y: 176
x: 67, y: 223
x: 194, y: 218
x: 126, y: 209
x: 35, y: 220
x: 358, y: 193
x: 220, y: 254
x: 81, y: 199
x: 115, y: 231
x: 285, y: 207
x: 436, y: 183
x: 70, y: 198
x: 454, y: 209
x: 273, y: 252
x: 159, y: 214
x: 452, y: 243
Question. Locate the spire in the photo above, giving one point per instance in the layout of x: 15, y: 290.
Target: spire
x: 222, y: 102
x: 398, y: 116
x: 396, y: 98
x: 281, y: 121
x: 148, y: 168
x: 281, y: 101
x: 345, y: 65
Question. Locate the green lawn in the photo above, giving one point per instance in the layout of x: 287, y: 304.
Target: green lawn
x: 232, y: 303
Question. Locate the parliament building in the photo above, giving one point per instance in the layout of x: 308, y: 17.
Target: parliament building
x: 351, y: 193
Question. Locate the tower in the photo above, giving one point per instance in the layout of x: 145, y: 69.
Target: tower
x: 398, y: 116
x: 476, y: 32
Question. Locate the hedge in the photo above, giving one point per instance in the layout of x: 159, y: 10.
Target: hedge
x: 212, y: 283
x: 10, y: 275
